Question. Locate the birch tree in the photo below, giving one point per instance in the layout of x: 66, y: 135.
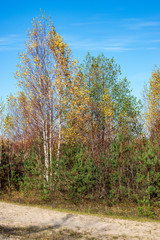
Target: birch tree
x: 63, y: 78
x: 43, y: 77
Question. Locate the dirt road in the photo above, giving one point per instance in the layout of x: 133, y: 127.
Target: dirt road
x: 26, y: 222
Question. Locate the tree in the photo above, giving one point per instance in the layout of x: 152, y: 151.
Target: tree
x: 2, y: 116
x: 2, y: 108
x: 75, y: 129
x: 112, y: 105
x: 43, y: 78
x: 63, y: 78
x: 153, y: 103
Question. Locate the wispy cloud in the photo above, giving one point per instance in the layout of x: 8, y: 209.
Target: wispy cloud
x: 120, y: 34
x: 130, y: 23
x: 116, y: 44
x: 139, y: 24
x: 155, y: 40
x: 11, y: 42
x: 89, y: 23
x: 91, y: 44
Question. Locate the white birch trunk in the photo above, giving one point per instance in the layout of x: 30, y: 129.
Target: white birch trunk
x: 45, y: 145
x: 59, y: 128
x: 59, y: 138
x: 50, y: 132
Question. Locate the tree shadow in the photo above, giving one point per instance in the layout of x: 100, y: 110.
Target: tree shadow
x: 39, y: 233
x: 23, y: 232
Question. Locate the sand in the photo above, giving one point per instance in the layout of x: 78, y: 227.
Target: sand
x: 26, y: 222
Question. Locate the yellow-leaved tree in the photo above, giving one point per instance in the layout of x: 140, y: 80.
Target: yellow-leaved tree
x: 77, y: 116
x: 153, y: 103
x: 44, y: 78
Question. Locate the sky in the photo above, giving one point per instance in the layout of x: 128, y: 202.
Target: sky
x: 129, y: 31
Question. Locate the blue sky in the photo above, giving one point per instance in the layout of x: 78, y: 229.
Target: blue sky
x: 129, y: 31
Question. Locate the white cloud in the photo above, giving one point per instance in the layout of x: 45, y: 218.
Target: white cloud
x: 138, y: 24
x: 11, y: 42
x: 89, y: 23
x: 116, y: 44
x: 128, y: 34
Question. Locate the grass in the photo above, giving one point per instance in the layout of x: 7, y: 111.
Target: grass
x: 86, y: 207
x: 99, y: 208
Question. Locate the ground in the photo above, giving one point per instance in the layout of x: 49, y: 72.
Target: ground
x: 26, y: 222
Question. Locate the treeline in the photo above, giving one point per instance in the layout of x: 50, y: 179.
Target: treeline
x: 76, y: 129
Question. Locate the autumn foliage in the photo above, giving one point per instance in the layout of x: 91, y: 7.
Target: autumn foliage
x: 76, y: 129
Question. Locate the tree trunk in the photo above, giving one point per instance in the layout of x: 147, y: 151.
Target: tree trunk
x: 59, y: 138
x: 45, y: 145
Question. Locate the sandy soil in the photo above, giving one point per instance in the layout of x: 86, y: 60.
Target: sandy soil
x: 26, y: 222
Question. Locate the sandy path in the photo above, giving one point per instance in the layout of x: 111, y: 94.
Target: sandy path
x: 17, y: 216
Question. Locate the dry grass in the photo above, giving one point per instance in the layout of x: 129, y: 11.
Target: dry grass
x: 94, y: 207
